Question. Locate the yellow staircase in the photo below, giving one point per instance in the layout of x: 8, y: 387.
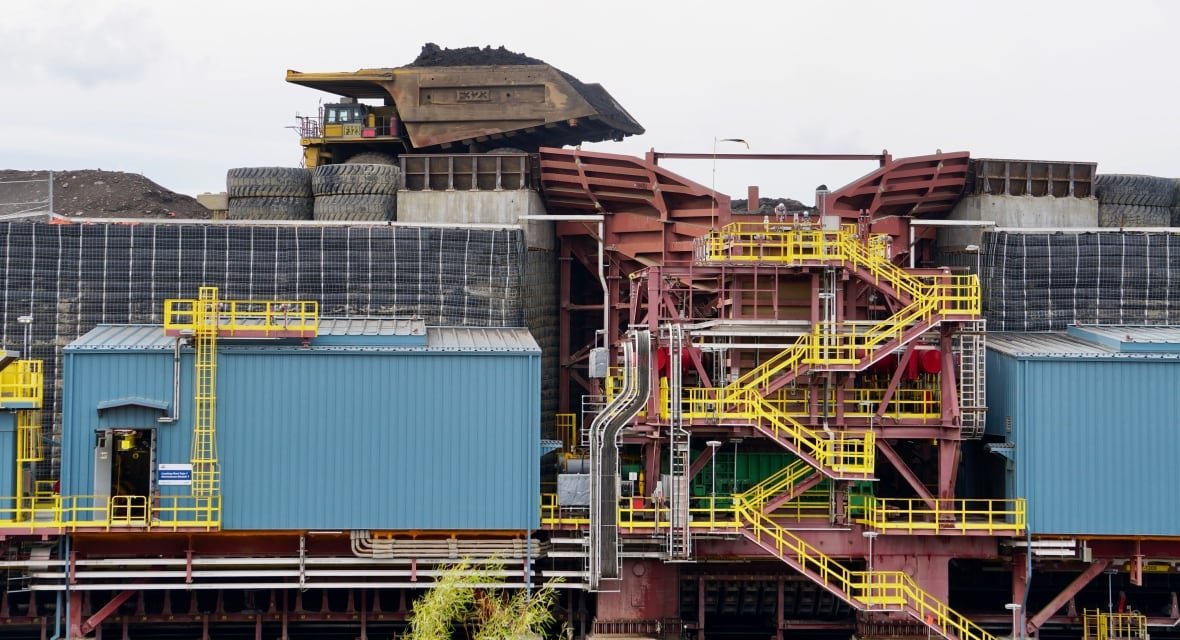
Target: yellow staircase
x: 870, y: 591
x: 846, y: 346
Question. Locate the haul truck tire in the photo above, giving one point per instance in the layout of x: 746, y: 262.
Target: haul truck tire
x: 261, y: 182
x: 356, y: 207
x: 1147, y: 191
x: 1130, y: 215
x: 354, y: 179
x: 270, y: 208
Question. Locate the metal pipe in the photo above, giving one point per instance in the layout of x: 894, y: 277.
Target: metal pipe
x: 50, y: 192
x: 602, y: 281
x: 1088, y: 229
x: 673, y: 155
x: 953, y: 223
x: 174, y: 414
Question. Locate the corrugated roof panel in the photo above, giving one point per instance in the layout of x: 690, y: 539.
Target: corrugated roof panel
x: 481, y: 339
x: 1050, y: 344
x: 372, y: 327
x: 1131, y: 338
x: 337, y: 333
x: 123, y: 336
x: 1074, y: 344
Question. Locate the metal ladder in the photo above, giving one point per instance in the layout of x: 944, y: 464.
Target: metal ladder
x: 679, y: 532
x: 591, y: 407
x: 971, y: 340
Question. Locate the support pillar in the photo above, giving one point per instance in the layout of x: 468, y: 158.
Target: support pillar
x: 74, y: 623
x: 649, y: 590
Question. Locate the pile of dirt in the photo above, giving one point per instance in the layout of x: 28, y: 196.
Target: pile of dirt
x: 94, y: 193
x: 766, y: 205
x: 433, y: 55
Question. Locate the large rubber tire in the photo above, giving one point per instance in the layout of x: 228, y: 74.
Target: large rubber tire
x: 1127, y: 215
x: 356, y: 207
x: 371, y: 157
x: 260, y: 182
x: 355, y: 179
x: 270, y: 208
x: 1147, y: 191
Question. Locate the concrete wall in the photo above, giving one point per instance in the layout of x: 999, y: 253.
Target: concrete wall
x: 1017, y: 211
x: 478, y: 207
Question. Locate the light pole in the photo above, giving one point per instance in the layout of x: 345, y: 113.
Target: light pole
x: 870, y: 536
x: 1015, y: 609
x: 713, y: 184
x: 28, y: 322
x: 974, y: 248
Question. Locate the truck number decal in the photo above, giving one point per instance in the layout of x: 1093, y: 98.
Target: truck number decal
x: 473, y: 95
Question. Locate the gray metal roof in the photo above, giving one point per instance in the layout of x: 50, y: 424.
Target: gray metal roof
x: 372, y: 327
x: 370, y: 333
x: 1160, y: 335
x: 481, y: 339
x: 123, y: 337
x: 1059, y: 344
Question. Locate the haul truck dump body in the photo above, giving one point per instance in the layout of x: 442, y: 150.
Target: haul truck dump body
x: 468, y: 108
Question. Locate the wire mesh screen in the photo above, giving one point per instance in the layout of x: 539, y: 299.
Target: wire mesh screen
x: 73, y: 277
x: 1044, y: 282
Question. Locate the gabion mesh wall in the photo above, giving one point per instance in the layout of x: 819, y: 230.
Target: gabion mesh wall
x: 1044, y: 282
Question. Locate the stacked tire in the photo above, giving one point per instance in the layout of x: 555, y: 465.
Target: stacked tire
x: 269, y: 193
x: 355, y: 191
x: 1135, y: 201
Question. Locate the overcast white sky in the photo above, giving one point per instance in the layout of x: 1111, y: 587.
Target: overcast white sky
x: 182, y: 91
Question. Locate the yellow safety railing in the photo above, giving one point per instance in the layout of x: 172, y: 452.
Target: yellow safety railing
x: 256, y: 318
x: 21, y: 385
x: 778, y: 483
x: 961, y: 515
x: 41, y: 513
x: 886, y: 590
x: 1102, y: 625
x: 29, y: 447
x: 567, y: 431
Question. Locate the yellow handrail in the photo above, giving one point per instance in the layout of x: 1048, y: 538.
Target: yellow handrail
x: 876, y: 589
x: 779, y: 482
x: 963, y: 515
x: 57, y: 513
x: 21, y: 385
x: 259, y: 318
x: 1102, y: 625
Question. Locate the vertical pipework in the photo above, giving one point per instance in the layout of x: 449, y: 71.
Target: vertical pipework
x: 602, y: 281
x: 174, y: 414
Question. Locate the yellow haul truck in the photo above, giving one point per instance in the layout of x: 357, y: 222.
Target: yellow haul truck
x: 436, y: 106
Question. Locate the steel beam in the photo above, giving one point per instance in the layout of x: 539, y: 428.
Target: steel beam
x: 1034, y: 623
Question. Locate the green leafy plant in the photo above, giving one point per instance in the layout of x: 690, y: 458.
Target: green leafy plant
x: 470, y: 595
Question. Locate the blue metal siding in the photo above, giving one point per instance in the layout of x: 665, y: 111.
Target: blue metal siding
x: 1096, y: 442
x: 92, y: 377
x: 7, y: 458
x: 331, y: 439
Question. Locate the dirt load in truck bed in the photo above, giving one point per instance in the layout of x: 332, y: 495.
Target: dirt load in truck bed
x: 94, y: 193
x: 433, y: 55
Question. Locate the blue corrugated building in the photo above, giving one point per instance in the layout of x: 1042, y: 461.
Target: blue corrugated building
x: 7, y: 453
x: 375, y: 424
x: 1089, y: 421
